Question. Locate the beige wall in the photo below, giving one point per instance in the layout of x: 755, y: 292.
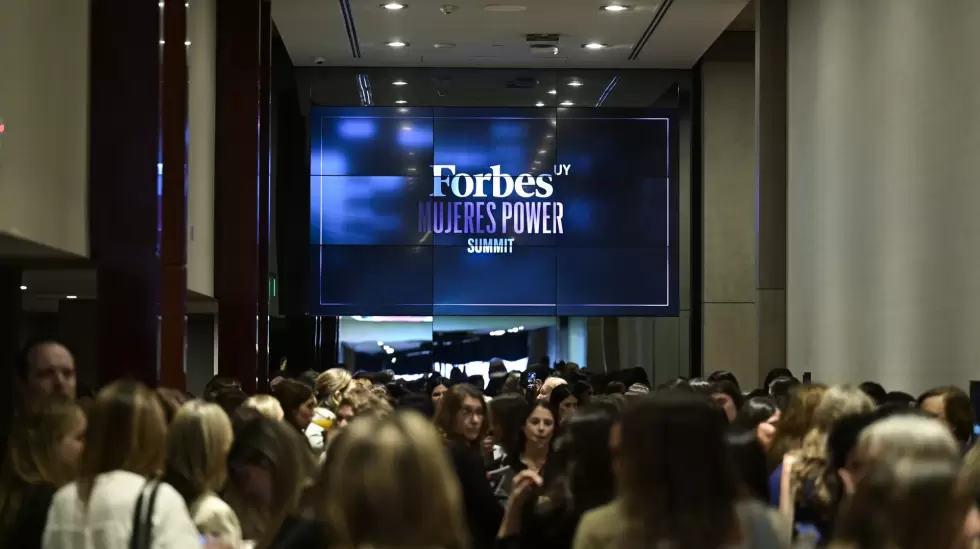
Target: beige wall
x: 200, y: 153
x: 883, y: 231
x: 44, y: 105
x: 730, y: 336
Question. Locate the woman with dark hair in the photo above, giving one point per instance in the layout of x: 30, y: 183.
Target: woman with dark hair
x: 298, y: 401
x: 269, y: 468
x: 533, y: 448
x: 951, y: 406
x: 461, y: 418
x: 759, y: 415
x: 435, y: 387
x: 682, y: 495
x: 583, y: 392
x: 724, y: 375
x: 508, y: 412
x: 727, y: 396
x: 749, y: 460
x: 562, y: 402
x: 546, y: 516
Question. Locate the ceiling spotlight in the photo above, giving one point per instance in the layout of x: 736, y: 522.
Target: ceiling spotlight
x: 187, y: 42
x: 397, y: 44
x: 616, y: 8
x: 575, y: 83
x: 394, y: 6
x: 566, y: 103
x: 406, y: 128
x: 403, y: 110
x: 536, y: 162
x: 539, y: 104
x: 23, y: 288
x: 443, y: 45
x: 549, y: 136
x: 593, y: 46
x: 71, y: 297
x: 552, y: 92
x: 401, y: 102
x: 543, y: 151
x: 399, y: 83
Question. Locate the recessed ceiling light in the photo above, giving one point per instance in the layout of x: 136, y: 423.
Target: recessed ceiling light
x: 71, y: 297
x: 187, y: 42
x: 543, y: 151
x: 403, y: 110
x: 593, y: 46
x: 406, y: 128
x: 575, y: 83
x: 442, y: 45
x: 401, y: 102
x: 549, y: 136
x: 397, y: 44
x: 394, y: 6
x: 616, y: 8
x: 504, y: 8
x: 566, y: 103
x: 552, y: 92
x: 399, y: 83
x: 23, y: 287
x: 537, y: 161
x: 539, y: 104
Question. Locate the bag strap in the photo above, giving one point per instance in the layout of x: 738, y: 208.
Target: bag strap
x: 143, y: 516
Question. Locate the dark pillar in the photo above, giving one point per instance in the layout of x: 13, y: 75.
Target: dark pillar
x: 10, y: 328
x: 265, y: 175
x: 123, y: 202
x: 236, y: 188
x: 771, y: 174
x: 173, y: 254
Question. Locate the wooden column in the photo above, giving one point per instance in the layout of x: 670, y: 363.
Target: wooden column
x: 237, y: 169
x: 173, y: 253
x: 123, y: 201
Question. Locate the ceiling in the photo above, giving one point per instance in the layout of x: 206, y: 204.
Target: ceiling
x: 441, y: 87
x: 671, y: 34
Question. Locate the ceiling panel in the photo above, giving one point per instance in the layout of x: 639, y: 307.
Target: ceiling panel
x: 315, y: 30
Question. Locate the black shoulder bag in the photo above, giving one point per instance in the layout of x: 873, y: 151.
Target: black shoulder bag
x: 143, y: 516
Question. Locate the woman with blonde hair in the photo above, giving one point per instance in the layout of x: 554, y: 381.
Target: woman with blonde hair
x: 807, y: 484
x: 387, y: 484
x: 906, y: 504
x: 198, y: 442
x: 331, y: 385
x: 124, y: 450
x: 267, y: 405
x: 42, y: 456
x: 795, y: 421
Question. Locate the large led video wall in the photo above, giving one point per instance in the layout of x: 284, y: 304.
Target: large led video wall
x: 518, y: 211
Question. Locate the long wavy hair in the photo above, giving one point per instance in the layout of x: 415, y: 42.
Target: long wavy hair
x: 795, y: 421
x: 31, y: 459
x: 812, y: 469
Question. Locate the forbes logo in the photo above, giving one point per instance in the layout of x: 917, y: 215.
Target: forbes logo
x: 500, y: 185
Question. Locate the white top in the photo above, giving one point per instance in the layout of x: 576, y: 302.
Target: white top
x: 318, y: 435
x: 216, y: 518
x: 107, y: 521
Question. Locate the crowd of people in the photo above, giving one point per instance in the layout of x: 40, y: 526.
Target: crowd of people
x: 554, y: 457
